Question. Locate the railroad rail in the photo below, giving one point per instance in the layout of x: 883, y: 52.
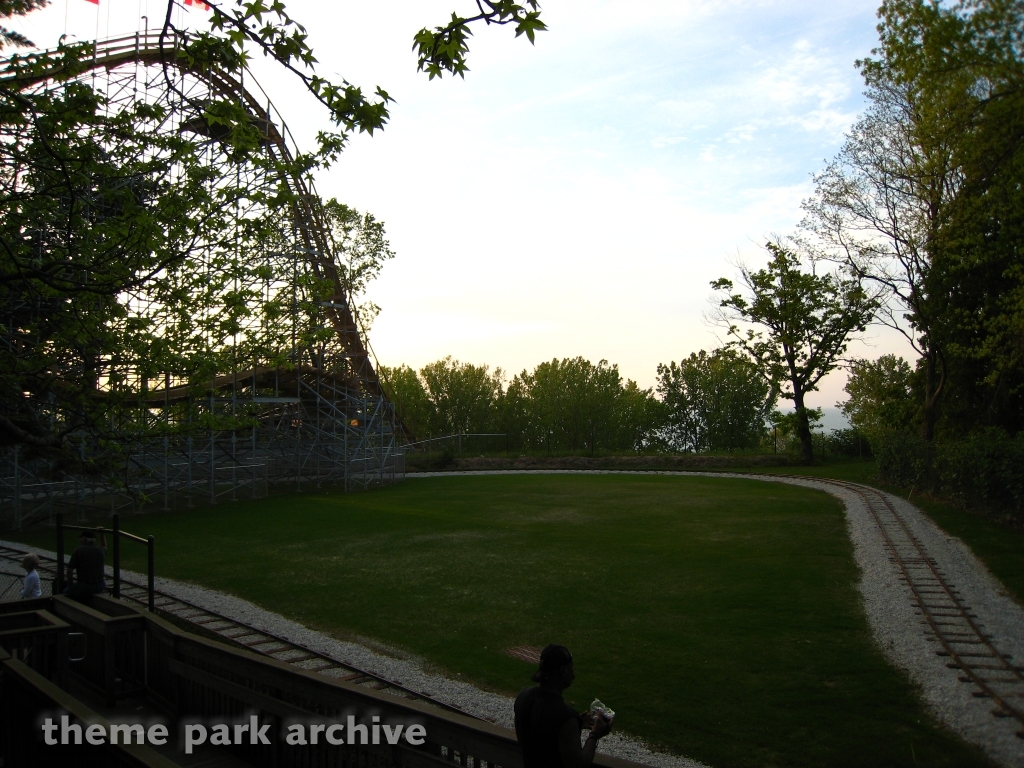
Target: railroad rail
x: 947, y: 619
x: 257, y: 640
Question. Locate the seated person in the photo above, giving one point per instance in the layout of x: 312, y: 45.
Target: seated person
x: 85, y: 568
x: 30, y: 587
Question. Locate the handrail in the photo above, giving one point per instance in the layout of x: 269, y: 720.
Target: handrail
x: 101, y: 529
x: 284, y: 691
x: 193, y: 678
x: 456, y: 435
x: 117, y: 534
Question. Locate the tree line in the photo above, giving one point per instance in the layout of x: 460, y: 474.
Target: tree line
x: 562, y: 405
x: 925, y: 202
x: 706, y: 402
x: 917, y: 223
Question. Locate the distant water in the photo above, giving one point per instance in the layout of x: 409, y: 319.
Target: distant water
x: 832, y: 418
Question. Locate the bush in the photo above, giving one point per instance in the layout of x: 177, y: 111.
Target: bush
x: 904, y: 460
x: 434, y: 461
x: 846, y: 442
x: 984, y: 471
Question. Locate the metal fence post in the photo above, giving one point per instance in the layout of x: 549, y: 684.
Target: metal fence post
x: 117, y: 557
x: 152, y: 596
x: 60, y: 554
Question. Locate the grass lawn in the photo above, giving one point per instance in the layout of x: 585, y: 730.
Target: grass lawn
x: 1000, y: 547
x: 718, y: 617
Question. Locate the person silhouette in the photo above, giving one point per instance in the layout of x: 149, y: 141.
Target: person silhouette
x: 86, y: 564
x: 547, y: 728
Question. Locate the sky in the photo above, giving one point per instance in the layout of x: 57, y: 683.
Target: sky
x: 575, y: 197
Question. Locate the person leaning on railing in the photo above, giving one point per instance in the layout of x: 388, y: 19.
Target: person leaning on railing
x: 86, y: 565
x: 548, y: 729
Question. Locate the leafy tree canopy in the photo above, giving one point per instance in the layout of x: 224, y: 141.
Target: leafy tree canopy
x: 362, y: 248
x: 98, y: 205
x: 881, y: 397
x: 570, y: 404
x: 926, y: 198
x: 806, y: 322
x: 716, y: 402
x: 461, y: 395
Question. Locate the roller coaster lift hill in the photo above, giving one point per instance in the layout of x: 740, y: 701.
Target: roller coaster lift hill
x: 296, y: 400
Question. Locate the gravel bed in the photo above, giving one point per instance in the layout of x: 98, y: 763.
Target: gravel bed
x: 887, y: 603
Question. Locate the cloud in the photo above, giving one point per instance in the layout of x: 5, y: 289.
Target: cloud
x: 804, y: 75
x: 660, y: 142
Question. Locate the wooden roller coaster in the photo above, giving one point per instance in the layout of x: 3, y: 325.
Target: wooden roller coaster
x: 296, y: 413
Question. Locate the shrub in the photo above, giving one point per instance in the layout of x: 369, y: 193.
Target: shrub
x: 846, y: 442
x: 983, y: 471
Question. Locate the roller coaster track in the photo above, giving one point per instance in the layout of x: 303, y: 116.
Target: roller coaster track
x: 236, y: 632
x: 154, y: 49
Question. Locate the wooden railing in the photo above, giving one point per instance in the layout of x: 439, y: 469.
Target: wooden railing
x: 38, y: 639
x: 192, y: 679
x: 116, y: 535
x: 26, y: 694
x: 206, y: 679
x: 111, y: 661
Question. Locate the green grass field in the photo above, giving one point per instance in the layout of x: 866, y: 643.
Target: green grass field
x: 999, y: 546
x: 718, y: 617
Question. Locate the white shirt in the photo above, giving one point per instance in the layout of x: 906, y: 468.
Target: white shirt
x: 31, y: 588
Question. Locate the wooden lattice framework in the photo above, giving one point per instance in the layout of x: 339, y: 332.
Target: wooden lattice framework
x: 284, y: 414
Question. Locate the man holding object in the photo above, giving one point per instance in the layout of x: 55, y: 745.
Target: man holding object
x: 547, y: 728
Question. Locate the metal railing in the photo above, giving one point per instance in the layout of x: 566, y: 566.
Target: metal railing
x: 457, y: 438
x: 117, y: 534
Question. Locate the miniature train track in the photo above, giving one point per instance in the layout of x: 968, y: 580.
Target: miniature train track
x: 256, y: 640
x: 947, y: 619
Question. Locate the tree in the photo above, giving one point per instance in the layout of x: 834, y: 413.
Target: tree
x: 877, y: 211
x: 9, y: 8
x: 715, y: 402
x: 881, y: 396
x: 641, y: 418
x: 785, y: 425
x: 444, y: 49
x: 925, y: 198
x: 808, y: 320
x: 979, y: 268
x: 405, y: 389
x: 362, y: 245
x: 91, y: 211
x: 461, y: 396
x: 574, y: 402
x: 515, y: 414
x: 570, y: 404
